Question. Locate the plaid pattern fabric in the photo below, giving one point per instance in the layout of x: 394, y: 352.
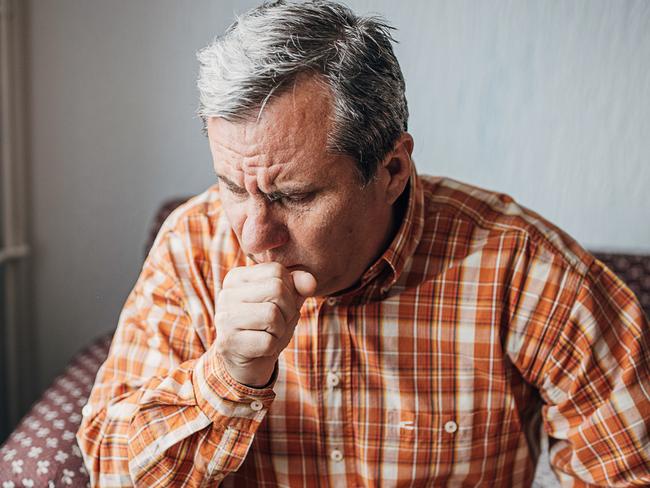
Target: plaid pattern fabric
x: 433, y: 371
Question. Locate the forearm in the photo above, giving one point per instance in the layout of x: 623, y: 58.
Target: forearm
x: 596, y: 384
x: 192, y: 425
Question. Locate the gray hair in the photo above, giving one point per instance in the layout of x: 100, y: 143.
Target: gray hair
x: 265, y: 50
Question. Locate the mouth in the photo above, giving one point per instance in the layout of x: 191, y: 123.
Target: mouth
x: 293, y: 267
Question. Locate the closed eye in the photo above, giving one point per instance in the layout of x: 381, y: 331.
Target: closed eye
x: 287, y: 199
x: 236, y: 190
x: 293, y: 199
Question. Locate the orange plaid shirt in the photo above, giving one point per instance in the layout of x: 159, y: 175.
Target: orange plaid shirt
x: 432, y: 371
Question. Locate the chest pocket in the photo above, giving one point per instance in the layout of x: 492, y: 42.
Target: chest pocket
x: 412, y: 442
x: 440, y: 447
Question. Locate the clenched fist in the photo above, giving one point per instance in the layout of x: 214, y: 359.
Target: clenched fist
x: 257, y: 311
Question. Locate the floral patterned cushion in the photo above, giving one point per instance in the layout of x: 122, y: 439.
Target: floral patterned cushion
x: 43, y: 452
x: 634, y: 270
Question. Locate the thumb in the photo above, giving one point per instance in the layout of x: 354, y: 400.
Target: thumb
x: 304, y: 282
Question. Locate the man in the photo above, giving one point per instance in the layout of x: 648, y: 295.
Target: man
x: 325, y: 316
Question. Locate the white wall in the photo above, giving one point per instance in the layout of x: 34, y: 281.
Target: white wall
x: 548, y: 101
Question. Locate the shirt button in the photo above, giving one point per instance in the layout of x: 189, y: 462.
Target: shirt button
x: 451, y: 427
x: 336, y: 455
x: 87, y: 410
x: 256, y: 405
x: 154, y: 342
x: 332, y: 301
x: 332, y: 380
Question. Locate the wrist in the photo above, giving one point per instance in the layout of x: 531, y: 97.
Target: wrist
x: 218, y: 393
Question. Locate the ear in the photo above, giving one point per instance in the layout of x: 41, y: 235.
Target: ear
x: 396, y: 167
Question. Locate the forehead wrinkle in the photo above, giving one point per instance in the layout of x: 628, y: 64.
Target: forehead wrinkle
x: 264, y: 176
x: 223, y: 145
x: 260, y: 161
x: 246, y: 150
x: 250, y: 183
x: 285, y: 139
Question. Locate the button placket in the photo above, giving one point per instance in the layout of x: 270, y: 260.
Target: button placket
x: 336, y: 455
x: 333, y: 379
x: 154, y: 342
x: 332, y: 393
x: 451, y: 427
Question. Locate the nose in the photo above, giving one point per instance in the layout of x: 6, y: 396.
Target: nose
x: 262, y: 230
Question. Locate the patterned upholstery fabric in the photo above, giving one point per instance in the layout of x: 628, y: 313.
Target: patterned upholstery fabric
x: 42, y: 451
x: 634, y: 270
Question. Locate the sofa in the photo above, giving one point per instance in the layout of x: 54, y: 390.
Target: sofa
x: 42, y: 450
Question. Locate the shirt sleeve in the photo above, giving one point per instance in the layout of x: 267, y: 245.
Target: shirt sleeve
x: 596, y: 385
x: 163, y: 410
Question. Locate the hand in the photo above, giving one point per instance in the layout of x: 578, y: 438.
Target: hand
x: 257, y: 311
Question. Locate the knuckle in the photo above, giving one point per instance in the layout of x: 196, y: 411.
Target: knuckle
x: 271, y: 313
x: 277, y: 270
x: 277, y: 287
x: 231, y: 277
x: 221, y: 320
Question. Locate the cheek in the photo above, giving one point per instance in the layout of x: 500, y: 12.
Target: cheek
x: 308, y: 233
x: 322, y: 231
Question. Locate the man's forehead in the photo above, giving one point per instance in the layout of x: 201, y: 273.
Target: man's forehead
x: 269, y: 168
x: 287, y: 145
x: 296, y: 117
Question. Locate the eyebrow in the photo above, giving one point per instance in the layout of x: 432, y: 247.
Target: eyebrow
x: 230, y: 183
x: 274, y: 195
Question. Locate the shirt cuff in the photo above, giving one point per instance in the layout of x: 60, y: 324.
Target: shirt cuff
x: 226, y: 401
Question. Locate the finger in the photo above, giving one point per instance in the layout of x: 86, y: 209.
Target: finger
x: 251, y: 344
x: 256, y: 273
x: 273, y: 290
x: 304, y: 283
x: 265, y: 316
